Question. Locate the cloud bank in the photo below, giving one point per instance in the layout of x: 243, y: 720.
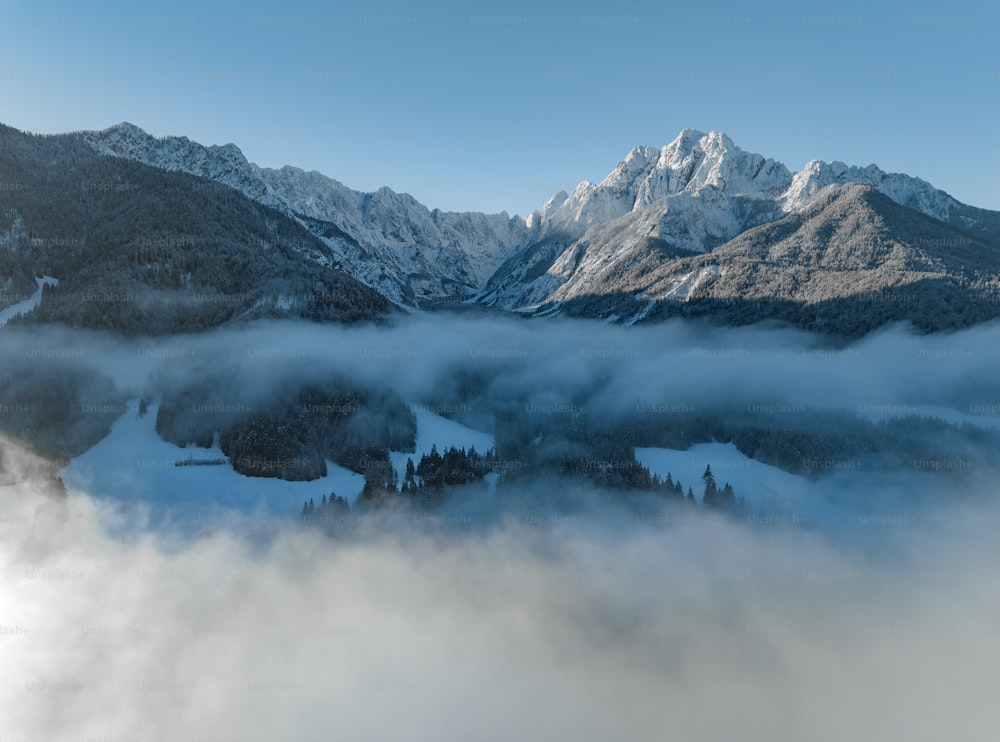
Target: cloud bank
x: 584, y: 630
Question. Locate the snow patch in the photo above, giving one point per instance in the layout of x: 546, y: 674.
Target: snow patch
x: 682, y: 288
x: 763, y: 486
x: 26, y: 306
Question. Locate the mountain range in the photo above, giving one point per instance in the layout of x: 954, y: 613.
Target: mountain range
x: 698, y: 227
x: 385, y: 239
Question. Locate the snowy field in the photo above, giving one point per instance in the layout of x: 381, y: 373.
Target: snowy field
x: 137, y: 468
x: 767, y: 489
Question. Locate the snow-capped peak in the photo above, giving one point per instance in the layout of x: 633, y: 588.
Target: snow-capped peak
x: 686, y: 140
x: 904, y: 189
x: 711, y: 169
x: 695, y: 192
x: 692, y: 162
x: 556, y: 201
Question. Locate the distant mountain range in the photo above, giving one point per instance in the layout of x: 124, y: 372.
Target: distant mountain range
x: 696, y: 228
x: 385, y: 239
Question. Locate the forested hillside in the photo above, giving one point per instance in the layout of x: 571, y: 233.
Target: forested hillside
x: 142, y: 251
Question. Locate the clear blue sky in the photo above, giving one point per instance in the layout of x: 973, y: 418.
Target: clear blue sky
x: 498, y: 106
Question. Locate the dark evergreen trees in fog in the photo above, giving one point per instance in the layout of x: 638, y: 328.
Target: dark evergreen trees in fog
x: 330, y: 510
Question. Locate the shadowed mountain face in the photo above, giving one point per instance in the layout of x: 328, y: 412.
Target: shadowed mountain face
x: 143, y: 251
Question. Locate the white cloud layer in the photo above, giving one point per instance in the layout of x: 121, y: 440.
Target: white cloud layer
x: 704, y: 630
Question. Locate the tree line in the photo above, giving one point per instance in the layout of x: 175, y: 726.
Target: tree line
x: 428, y: 483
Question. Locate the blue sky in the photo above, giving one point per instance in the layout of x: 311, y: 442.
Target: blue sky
x: 498, y: 106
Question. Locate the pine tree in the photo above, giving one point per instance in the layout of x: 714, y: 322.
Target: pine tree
x: 711, y: 496
x: 431, y: 469
x: 728, y: 498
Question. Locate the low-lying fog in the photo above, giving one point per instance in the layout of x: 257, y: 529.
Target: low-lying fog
x: 555, y: 630
x: 547, y: 628
x: 894, y: 371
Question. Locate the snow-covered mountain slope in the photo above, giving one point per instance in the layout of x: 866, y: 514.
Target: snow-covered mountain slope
x: 696, y: 193
x: 223, y: 164
x: 386, y: 239
x: 694, y: 164
x: 903, y: 189
x: 438, y: 251
x: 849, y: 262
x: 716, y: 180
x: 658, y: 204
